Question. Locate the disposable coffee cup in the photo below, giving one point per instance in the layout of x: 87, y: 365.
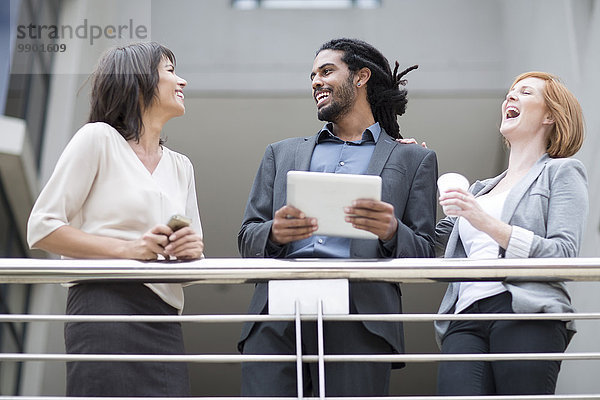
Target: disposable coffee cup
x: 448, y: 181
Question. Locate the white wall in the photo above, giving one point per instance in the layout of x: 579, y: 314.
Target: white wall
x: 220, y: 49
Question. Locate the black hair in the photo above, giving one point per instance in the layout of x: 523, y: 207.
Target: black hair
x: 124, y: 84
x: 385, y: 89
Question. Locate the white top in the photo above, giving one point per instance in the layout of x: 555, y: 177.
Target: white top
x: 100, y: 186
x: 480, y: 245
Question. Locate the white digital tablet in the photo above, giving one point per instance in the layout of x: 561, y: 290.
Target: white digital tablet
x: 324, y: 195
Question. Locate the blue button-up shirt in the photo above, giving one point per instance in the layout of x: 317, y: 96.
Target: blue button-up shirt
x: 331, y: 154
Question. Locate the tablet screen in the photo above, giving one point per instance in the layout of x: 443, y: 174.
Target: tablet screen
x: 324, y: 195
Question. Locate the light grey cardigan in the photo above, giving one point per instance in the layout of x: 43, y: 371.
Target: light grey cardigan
x: 547, y: 210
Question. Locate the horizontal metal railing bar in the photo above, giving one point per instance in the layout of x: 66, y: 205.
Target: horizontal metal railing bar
x: 493, y: 397
x: 505, y: 397
x: 235, y: 358
x: 237, y: 318
x: 496, y: 397
x: 238, y: 270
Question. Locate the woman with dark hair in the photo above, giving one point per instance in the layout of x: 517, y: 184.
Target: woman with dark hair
x: 113, y: 190
x: 536, y: 208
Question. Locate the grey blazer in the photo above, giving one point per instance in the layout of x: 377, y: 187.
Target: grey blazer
x: 408, y: 175
x: 547, y: 210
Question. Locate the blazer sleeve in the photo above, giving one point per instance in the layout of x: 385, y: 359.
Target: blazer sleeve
x: 253, y: 237
x: 565, y: 221
x: 416, y: 228
x: 442, y: 233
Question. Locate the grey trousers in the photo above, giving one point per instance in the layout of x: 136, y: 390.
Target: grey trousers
x: 122, y: 378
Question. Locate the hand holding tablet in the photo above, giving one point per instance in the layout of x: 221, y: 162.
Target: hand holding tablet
x: 324, y: 196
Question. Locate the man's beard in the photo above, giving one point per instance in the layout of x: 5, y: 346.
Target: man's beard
x: 341, y: 104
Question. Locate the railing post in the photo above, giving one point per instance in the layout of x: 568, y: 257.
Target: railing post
x: 299, y: 377
x: 305, y: 297
x: 321, y: 350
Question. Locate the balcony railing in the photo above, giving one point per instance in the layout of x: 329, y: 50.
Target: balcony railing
x: 234, y: 271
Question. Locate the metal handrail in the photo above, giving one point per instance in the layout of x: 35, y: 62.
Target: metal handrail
x: 237, y: 358
x: 501, y: 397
x: 248, y: 270
x: 235, y: 318
x: 236, y: 270
x: 240, y: 270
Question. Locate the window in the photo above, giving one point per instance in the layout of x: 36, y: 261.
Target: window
x: 305, y: 4
x: 30, y: 78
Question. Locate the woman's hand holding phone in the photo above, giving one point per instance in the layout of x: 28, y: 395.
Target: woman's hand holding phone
x: 184, y: 242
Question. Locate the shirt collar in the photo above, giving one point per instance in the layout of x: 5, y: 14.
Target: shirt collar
x: 371, y: 134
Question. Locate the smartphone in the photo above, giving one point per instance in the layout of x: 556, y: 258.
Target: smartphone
x: 178, y: 221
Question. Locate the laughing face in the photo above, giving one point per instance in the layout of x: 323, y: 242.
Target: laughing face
x: 524, y: 110
x: 170, y: 89
x: 333, y: 86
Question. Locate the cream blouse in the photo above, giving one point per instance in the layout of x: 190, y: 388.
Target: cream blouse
x: 101, y: 187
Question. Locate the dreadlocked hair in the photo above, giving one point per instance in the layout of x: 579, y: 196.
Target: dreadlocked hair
x: 385, y: 90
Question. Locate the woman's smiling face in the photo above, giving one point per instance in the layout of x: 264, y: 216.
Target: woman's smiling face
x: 170, y: 89
x: 524, y: 110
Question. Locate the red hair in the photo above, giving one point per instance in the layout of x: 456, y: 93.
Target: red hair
x: 566, y: 136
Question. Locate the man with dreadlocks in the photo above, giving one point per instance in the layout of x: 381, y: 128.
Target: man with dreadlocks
x: 359, y: 97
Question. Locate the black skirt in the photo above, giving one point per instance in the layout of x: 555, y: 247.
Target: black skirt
x: 104, y: 378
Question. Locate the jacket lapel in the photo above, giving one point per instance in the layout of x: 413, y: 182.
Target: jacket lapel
x: 381, y: 153
x: 481, y: 188
x: 304, y: 153
x: 521, y: 187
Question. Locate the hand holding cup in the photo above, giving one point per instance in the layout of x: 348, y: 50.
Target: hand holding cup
x: 450, y: 181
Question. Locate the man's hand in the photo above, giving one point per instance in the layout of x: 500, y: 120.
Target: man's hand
x: 374, y: 216
x: 411, y: 141
x: 290, y: 224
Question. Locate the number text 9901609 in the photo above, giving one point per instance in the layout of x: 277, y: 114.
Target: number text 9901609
x: 41, y: 47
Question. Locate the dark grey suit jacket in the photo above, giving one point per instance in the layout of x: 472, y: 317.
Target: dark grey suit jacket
x: 408, y: 173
